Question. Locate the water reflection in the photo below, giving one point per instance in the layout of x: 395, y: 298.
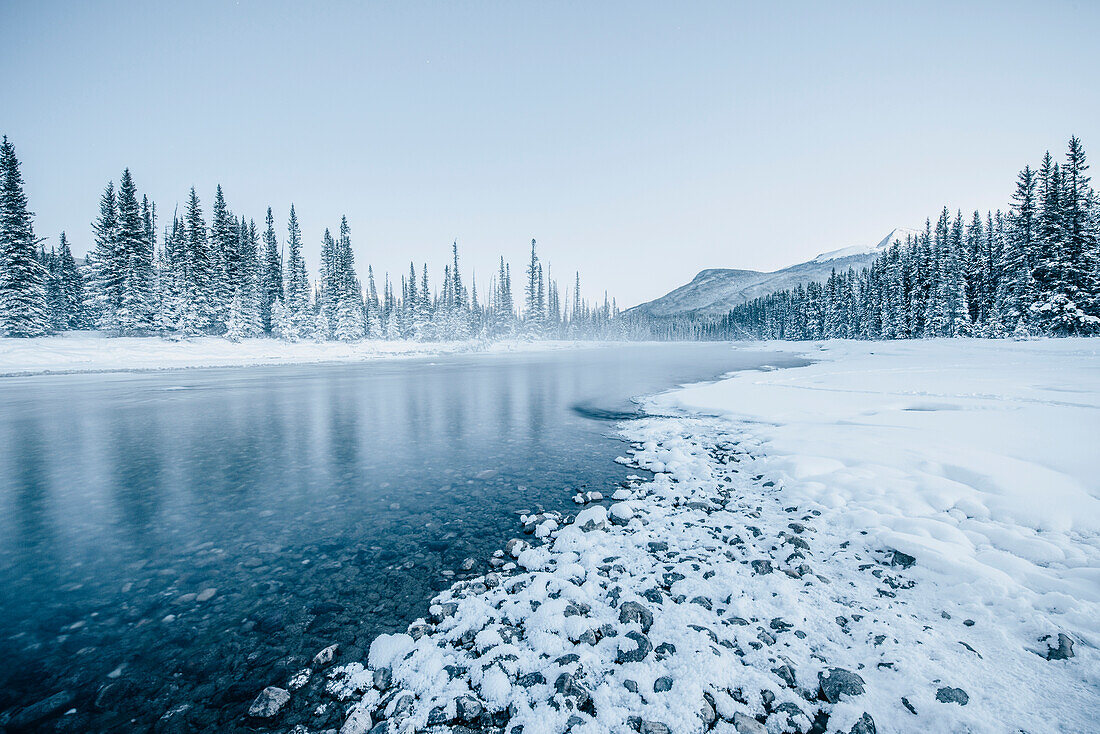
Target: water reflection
x: 322, y: 504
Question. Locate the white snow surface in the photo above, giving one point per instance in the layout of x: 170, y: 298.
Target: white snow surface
x: 95, y: 352
x: 898, y: 234
x: 923, y: 515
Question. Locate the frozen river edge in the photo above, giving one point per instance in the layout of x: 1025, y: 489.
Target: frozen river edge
x: 726, y: 595
x: 94, y: 352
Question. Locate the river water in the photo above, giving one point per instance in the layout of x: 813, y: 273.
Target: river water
x: 193, y: 536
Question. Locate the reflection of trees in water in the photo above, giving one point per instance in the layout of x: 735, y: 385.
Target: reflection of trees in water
x: 32, y: 542
x: 132, y: 444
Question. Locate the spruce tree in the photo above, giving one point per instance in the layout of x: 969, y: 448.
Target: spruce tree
x: 272, y: 279
x: 55, y: 301
x: 72, y: 287
x: 132, y: 261
x: 107, y: 273
x: 198, y: 311
x: 224, y: 261
x: 297, y: 294
x: 23, y: 308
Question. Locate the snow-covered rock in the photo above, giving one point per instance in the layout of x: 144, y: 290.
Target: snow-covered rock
x: 387, y: 648
x: 592, y: 518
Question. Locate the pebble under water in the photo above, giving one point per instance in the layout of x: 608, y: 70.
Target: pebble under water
x: 190, y: 537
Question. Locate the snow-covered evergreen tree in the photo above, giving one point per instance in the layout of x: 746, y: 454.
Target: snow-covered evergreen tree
x: 271, y: 285
x: 23, y: 308
x: 72, y: 287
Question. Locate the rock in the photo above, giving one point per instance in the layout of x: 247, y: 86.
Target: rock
x: 593, y: 518
x: 636, y: 653
x: 662, y: 684
x: 271, y: 623
x: 952, y: 695
x: 657, y: 545
x: 385, y: 649
x: 269, y: 703
x: 570, y: 687
x: 383, y: 678
x: 206, y: 594
x: 621, y: 513
x: 515, y: 546
x: 664, y: 650
x: 702, y: 601
x: 403, y: 706
x: 531, y: 679
x: 897, y: 558
x: 543, y: 529
x: 573, y: 609
x: 707, y: 711
x: 1064, y: 651
x: 468, y: 708
x: 111, y: 695
x: 299, y: 679
x: 786, y: 674
x: 744, y: 724
x: 632, y: 611
x: 630, y: 685
x: 324, y: 658
x: 174, y: 721
x: 468, y: 564
x: 839, y: 682
x: 794, y: 714
x: 647, y: 727
x: 439, y: 612
x: 359, y: 722
x: 38, y: 711
x: 865, y: 725
x: 762, y: 567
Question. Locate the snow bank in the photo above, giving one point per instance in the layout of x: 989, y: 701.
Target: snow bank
x: 95, y: 352
x: 978, y: 458
x: 898, y: 538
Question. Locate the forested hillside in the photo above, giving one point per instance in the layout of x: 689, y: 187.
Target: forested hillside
x: 1030, y: 270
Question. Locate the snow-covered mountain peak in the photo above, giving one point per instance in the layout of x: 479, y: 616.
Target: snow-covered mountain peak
x: 715, y: 291
x: 898, y: 233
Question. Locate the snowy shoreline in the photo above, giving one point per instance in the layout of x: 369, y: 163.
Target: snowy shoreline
x: 90, y: 352
x: 767, y: 578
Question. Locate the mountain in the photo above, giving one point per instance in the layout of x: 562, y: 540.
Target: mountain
x: 716, y: 290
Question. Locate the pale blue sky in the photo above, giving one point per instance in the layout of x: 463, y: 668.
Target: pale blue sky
x: 637, y: 141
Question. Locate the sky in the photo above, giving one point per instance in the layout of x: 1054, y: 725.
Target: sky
x: 637, y: 142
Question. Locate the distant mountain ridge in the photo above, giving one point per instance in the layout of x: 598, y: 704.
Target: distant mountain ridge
x: 715, y: 291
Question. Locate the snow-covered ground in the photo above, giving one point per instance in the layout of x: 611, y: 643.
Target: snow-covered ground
x: 95, y: 352
x: 900, y: 537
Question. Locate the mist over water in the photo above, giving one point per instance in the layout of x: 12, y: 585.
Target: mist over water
x: 321, y: 504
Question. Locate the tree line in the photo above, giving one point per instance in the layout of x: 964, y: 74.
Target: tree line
x: 228, y: 277
x: 1033, y: 270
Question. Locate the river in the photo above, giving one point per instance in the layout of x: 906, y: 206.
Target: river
x: 192, y: 536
